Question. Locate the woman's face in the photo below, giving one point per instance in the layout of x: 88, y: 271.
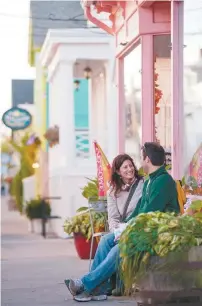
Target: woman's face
x: 127, y: 171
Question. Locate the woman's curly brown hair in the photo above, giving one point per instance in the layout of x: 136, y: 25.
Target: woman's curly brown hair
x: 116, y: 182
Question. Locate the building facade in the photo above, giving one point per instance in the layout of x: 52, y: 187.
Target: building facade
x: 152, y: 75
x: 79, y: 65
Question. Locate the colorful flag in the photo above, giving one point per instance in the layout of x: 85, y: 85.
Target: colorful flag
x: 103, y: 171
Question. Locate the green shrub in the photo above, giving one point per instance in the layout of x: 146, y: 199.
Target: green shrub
x: 16, y: 190
x: 37, y: 209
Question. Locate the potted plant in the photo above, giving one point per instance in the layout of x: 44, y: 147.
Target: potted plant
x: 36, y: 210
x: 90, y: 192
x: 80, y: 225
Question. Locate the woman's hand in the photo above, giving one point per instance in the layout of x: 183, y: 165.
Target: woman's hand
x: 119, y: 230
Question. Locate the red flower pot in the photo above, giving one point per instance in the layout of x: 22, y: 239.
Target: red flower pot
x: 83, y: 246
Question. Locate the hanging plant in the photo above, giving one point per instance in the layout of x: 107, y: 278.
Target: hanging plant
x: 52, y: 136
x: 157, y: 93
x: 157, y: 97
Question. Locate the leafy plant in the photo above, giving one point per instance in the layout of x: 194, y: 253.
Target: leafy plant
x: 196, y: 208
x: 37, y: 209
x: 16, y: 190
x: 91, y: 189
x: 81, y: 224
x: 27, y: 158
x: 155, y: 234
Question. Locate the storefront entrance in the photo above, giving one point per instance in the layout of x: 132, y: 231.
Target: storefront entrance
x: 150, y: 87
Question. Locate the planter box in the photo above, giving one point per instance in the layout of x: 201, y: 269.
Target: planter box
x: 161, y: 286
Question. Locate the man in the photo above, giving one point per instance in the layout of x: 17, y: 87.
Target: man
x: 159, y: 194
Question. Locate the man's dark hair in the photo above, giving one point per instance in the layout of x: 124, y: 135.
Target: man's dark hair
x: 155, y: 152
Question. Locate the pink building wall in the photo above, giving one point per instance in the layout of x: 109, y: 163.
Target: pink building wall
x: 136, y: 22
x: 142, y: 24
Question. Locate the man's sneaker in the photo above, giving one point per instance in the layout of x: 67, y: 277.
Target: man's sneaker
x: 75, y: 286
x: 86, y: 297
x: 101, y: 297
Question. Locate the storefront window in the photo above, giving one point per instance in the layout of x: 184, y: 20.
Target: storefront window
x: 192, y: 81
x: 133, y: 101
x: 162, y: 90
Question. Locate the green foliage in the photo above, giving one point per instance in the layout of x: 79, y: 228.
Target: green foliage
x: 81, y: 223
x: 155, y: 234
x: 183, y: 180
x: 191, y: 182
x: 82, y: 209
x: 91, y: 189
x: 27, y: 158
x: 16, y: 190
x: 196, y: 207
x: 37, y: 209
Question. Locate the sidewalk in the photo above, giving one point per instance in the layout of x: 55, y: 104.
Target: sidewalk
x: 33, y: 268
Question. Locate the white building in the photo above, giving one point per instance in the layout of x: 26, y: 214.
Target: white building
x: 65, y: 54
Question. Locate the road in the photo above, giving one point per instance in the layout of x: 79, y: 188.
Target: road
x: 33, y: 268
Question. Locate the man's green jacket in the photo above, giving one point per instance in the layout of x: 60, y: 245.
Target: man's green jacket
x: 159, y: 194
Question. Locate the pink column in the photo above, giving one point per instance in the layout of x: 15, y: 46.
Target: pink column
x: 147, y: 89
x: 121, y: 105
x: 177, y: 13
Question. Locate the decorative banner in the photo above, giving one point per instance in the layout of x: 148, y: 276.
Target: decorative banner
x: 17, y: 118
x: 103, y: 171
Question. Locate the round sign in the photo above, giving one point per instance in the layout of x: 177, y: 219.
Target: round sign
x: 17, y: 118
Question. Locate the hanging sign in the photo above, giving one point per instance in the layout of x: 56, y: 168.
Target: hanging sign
x: 17, y: 118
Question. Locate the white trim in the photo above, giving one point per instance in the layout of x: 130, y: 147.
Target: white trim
x: 90, y: 115
x: 69, y: 36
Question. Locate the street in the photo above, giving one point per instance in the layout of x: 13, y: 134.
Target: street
x: 33, y: 269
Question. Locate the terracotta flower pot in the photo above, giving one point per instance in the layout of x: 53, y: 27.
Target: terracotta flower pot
x: 83, y: 246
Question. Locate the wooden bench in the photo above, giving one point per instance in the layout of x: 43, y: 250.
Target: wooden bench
x: 45, y: 218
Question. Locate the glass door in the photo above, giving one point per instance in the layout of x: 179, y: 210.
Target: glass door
x: 133, y: 102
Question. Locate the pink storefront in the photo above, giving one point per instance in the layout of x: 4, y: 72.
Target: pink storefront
x: 149, y: 69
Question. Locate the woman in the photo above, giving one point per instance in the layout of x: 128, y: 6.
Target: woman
x: 124, y: 193
x: 124, y: 174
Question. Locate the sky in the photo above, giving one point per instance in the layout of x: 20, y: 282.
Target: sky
x: 14, y: 26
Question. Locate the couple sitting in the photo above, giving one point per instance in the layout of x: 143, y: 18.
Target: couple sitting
x: 129, y: 196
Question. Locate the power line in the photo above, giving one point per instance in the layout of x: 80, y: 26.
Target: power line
x: 53, y: 18
x: 50, y: 18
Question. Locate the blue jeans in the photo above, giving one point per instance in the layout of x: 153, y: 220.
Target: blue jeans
x: 105, y: 263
